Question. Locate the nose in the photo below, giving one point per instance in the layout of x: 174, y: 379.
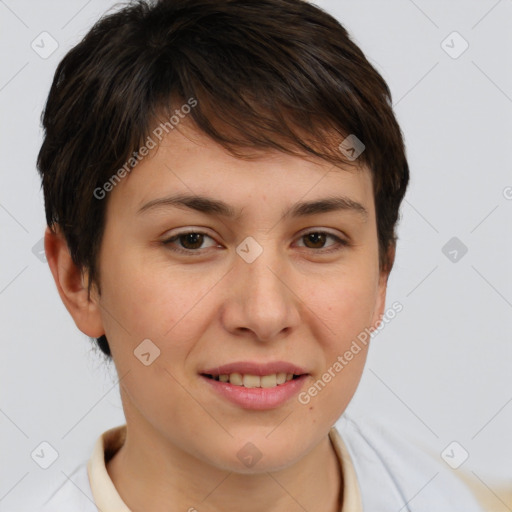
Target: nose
x: 261, y: 298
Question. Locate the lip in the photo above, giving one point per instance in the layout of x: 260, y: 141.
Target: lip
x: 252, y: 368
x: 256, y: 398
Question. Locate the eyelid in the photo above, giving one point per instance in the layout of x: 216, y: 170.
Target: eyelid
x: 327, y: 231
x: 199, y: 231
x: 341, y: 242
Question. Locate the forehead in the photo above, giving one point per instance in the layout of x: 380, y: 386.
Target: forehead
x: 188, y: 164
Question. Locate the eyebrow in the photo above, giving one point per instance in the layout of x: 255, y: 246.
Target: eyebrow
x: 217, y: 207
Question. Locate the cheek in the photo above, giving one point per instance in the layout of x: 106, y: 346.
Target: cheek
x: 155, y: 301
x: 346, y: 304
x: 343, y: 308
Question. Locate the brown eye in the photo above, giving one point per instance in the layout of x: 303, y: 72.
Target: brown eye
x: 316, y: 239
x: 191, y: 240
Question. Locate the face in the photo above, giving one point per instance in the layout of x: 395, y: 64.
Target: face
x: 250, y: 291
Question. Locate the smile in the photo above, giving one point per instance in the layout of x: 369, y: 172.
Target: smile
x: 254, y: 381
x: 255, y: 386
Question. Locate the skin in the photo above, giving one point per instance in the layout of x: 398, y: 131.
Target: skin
x: 294, y: 303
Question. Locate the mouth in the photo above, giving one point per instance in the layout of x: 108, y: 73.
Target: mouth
x: 256, y: 386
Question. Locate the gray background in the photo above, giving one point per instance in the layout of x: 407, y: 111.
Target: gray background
x: 439, y: 372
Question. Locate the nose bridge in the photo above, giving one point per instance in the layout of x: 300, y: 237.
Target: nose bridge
x: 260, y: 273
x: 261, y: 299
x: 262, y: 279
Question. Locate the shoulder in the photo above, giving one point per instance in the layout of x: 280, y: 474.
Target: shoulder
x: 73, y: 494
x: 393, y: 471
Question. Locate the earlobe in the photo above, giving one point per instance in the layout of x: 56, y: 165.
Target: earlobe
x: 72, y: 285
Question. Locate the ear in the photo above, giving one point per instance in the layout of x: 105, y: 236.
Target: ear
x: 382, y: 287
x: 72, y: 285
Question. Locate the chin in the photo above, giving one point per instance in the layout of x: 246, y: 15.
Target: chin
x: 257, y: 456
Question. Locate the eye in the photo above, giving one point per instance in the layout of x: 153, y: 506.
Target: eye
x: 317, y: 239
x: 190, y: 241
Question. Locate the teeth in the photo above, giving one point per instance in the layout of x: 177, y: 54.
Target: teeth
x: 268, y: 381
x: 252, y: 381
x: 255, y: 381
x: 236, y: 379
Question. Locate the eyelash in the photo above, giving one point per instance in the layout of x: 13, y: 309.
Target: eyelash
x: 339, y: 245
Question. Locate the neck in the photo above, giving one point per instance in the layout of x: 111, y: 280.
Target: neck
x: 160, y: 474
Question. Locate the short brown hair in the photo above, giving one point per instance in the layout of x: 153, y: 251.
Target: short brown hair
x: 266, y: 74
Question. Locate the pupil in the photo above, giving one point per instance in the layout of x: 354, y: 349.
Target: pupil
x: 194, y: 239
x: 316, y: 238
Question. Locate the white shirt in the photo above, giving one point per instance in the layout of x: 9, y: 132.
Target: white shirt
x: 381, y: 473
